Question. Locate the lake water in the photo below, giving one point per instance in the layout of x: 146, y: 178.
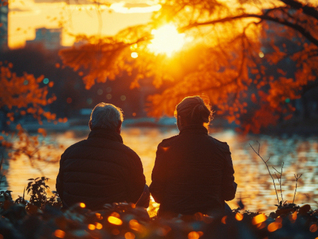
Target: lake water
x: 255, y: 186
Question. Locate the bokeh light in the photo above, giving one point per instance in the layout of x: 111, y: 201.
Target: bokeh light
x: 59, y: 233
x: 115, y: 220
x: 134, y: 55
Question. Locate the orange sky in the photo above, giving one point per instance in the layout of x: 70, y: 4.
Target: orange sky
x: 26, y: 15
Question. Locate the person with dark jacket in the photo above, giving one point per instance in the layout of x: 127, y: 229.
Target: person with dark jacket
x: 101, y: 169
x: 193, y: 171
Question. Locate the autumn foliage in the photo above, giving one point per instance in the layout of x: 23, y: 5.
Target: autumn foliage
x: 251, y: 58
x: 22, y: 95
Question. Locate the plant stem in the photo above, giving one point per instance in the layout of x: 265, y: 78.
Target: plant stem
x: 296, y: 177
x: 265, y: 162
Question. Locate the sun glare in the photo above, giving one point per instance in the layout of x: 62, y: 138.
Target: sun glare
x: 166, y: 40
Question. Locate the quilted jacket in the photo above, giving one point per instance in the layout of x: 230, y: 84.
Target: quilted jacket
x: 193, y: 172
x: 100, y: 170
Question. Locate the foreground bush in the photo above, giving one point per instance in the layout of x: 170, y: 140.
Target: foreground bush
x: 124, y: 220
x: 42, y: 217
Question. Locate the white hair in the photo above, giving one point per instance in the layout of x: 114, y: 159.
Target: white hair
x: 106, y: 116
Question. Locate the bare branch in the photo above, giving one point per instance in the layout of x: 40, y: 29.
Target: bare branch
x: 267, y: 169
x: 305, y: 8
x: 296, y: 178
x: 294, y: 26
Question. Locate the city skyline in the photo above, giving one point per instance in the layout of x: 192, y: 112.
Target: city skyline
x: 24, y: 18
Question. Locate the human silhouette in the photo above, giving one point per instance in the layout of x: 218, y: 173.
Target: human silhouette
x: 193, y: 171
x: 101, y: 169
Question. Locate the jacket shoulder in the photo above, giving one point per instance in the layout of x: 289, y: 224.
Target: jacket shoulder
x: 223, y: 146
x: 74, y: 147
x: 167, y: 141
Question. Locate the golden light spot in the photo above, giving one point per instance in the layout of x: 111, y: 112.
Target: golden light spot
x: 82, y: 205
x: 293, y: 217
x: 129, y: 235
x: 223, y: 220
x: 313, y: 228
x: 136, y: 226
x: 261, y: 54
x: 99, y: 216
x: 133, y: 47
x: 239, y: 216
x: 166, y: 40
x: 274, y: 226
x: 99, y: 226
x: 115, y: 220
x: 134, y: 55
x: 165, y: 148
x: 59, y: 233
x: 194, y: 235
x: 91, y: 227
x: 259, y: 219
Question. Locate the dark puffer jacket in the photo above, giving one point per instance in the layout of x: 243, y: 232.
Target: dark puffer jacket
x: 193, y: 172
x: 100, y: 170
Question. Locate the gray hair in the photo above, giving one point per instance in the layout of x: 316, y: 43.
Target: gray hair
x: 106, y: 116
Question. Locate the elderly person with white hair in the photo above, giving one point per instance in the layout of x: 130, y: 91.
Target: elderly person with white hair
x: 101, y: 169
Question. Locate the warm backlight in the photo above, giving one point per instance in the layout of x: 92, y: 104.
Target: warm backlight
x: 259, y: 219
x: 59, y: 233
x: 115, y: 220
x: 166, y: 40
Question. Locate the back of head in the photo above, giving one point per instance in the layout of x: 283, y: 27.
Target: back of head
x: 193, y: 110
x: 106, y: 116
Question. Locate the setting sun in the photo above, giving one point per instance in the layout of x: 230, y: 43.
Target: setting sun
x: 166, y: 40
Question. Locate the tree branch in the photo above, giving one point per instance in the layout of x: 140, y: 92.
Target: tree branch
x: 294, y: 26
x: 308, y: 10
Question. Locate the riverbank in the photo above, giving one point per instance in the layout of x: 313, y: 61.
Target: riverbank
x: 305, y: 127
x: 293, y: 126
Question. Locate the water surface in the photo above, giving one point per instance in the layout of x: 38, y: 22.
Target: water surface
x: 255, y: 187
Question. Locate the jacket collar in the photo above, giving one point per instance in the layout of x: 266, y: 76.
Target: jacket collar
x: 194, y: 129
x: 106, y: 134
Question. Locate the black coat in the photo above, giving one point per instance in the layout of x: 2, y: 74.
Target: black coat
x: 100, y: 170
x: 193, y: 172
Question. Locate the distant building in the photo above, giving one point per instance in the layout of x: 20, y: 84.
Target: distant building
x: 3, y: 25
x: 49, y: 39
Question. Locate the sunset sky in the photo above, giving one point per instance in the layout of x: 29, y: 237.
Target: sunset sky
x: 27, y: 15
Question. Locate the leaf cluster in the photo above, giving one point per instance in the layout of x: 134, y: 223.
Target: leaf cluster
x: 37, y: 189
x: 22, y: 95
x: 238, y: 57
x: 35, y: 148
